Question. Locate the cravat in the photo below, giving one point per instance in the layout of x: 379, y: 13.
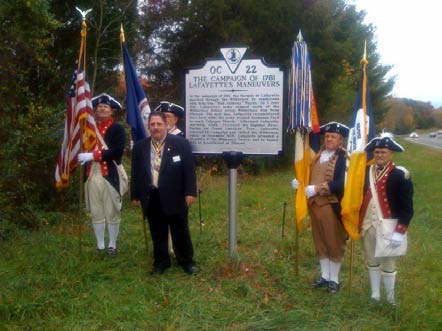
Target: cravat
x: 379, y: 172
x: 157, y: 147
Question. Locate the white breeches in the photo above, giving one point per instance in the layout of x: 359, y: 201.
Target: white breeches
x: 368, y: 242
x: 101, y: 199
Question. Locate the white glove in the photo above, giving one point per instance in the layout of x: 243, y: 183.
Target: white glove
x: 397, y: 239
x: 295, y: 184
x: 85, y: 157
x: 310, y: 191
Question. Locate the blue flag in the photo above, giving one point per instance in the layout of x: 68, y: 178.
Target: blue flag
x: 304, y: 123
x: 137, y: 104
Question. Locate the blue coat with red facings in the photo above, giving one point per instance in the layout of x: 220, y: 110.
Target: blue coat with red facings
x: 115, y: 139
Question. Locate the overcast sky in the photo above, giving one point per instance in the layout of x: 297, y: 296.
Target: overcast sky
x: 409, y: 36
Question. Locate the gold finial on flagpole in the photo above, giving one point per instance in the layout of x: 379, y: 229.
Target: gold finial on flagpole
x: 122, y: 34
x: 365, y: 49
x: 364, y: 60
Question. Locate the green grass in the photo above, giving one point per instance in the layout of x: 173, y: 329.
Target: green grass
x: 46, y: 285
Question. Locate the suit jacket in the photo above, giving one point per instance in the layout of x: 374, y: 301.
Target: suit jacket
x: 176, y: 179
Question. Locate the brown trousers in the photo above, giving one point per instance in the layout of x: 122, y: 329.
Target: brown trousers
x: 329, y: 236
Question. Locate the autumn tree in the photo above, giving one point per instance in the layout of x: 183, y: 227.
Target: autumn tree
x: 437, y: 117
x: 40, y: 42
x: 399, y: 118
x: 422, y: 112
x: 185, y: 33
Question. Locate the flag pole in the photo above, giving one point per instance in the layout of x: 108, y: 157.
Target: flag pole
x: 299, y: 220
x: 350, y: 280
x: 296, y: 248
x: 364, y: 63
x: 303, y: 120
x: 283, y: 219
x: 144, y: 230
x: 81, y: 200
x: 364, y: 92
x: 200, y: 215
x: 293, y: 102
x: 143, y: 221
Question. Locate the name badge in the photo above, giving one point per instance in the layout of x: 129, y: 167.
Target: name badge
x: 176, y: 158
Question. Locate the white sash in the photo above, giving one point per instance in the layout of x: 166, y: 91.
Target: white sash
x: 385, y: 228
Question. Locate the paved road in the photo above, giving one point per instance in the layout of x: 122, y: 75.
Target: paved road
x: 424, y: 139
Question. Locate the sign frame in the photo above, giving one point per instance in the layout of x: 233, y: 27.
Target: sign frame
x: 268, y: 84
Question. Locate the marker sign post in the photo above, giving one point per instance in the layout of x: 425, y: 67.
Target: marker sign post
x: 234, y: 107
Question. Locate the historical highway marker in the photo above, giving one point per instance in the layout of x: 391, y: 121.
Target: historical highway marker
x: 235, y: 104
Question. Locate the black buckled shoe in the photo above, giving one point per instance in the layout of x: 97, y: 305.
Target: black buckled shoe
x: 333, y: 287
x: 190, y: 269
x: 322, y: 282
x: 112, y: 251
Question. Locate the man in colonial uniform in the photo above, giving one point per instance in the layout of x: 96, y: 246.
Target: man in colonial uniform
x: 174, y: 114
x: 324, y: 193
x: 394, y: 193
x: 102, y: 185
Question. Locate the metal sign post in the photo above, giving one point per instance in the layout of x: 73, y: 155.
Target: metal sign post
x: 234, y: 107
x: 233, y: 159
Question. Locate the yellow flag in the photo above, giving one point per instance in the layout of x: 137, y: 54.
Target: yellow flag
x: 362, y: 130
x: 302, y: 171
x: 352, y: 200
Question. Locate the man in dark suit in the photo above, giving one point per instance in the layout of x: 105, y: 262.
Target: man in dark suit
x: 163, y: 179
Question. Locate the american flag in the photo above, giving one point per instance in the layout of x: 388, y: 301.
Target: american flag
x: 79, y: 121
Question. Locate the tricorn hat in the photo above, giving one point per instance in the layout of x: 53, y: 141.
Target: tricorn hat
x: 383, y: 142
x: 335, y: 127
x: 169, y: 107
x: 106, y: 99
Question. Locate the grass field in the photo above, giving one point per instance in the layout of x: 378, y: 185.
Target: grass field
x: 47, y: 285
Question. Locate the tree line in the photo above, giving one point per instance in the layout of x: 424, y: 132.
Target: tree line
x: 406, y: 115
x: 40, y: 43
